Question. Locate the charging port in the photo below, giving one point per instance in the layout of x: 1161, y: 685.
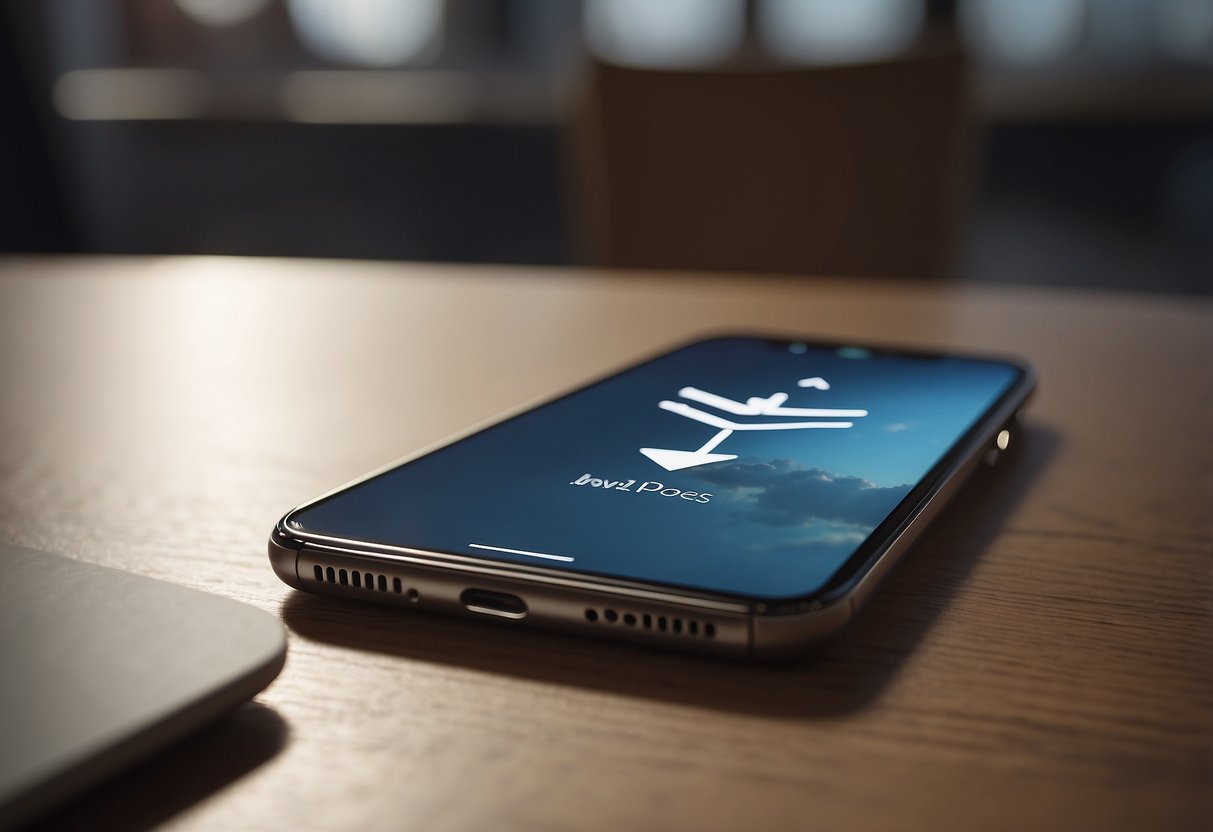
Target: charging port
x: 500, y: 604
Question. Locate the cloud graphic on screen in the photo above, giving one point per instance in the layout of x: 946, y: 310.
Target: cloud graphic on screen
x: 780, y: 492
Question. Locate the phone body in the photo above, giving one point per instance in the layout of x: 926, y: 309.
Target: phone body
x: 737, y: 495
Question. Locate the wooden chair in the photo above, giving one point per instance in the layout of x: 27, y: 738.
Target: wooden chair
x: 838, y: 170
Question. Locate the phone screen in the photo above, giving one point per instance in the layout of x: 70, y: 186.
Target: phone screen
x: 738, y: 466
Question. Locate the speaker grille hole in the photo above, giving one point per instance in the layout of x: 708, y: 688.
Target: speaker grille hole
x: 647, y: 621
x: 363, y: 580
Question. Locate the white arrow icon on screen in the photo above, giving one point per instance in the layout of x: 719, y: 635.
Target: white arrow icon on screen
x: 675, y: 460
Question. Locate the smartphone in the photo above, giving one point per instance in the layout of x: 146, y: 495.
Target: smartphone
x: 739, y: 495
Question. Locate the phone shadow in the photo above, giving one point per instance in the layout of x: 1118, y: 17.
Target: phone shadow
x: 190, y: 770
x: 841, y: 677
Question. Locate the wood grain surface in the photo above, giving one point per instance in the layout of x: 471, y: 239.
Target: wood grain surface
x: 1043, y: 659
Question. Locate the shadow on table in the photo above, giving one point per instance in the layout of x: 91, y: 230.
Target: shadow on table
x: 842, y: 676
x: 173, y: 780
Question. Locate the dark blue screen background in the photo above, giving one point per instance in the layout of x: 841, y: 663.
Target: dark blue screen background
x: 781, y: 519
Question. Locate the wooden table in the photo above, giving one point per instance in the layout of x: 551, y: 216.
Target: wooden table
x: 1043, y: 660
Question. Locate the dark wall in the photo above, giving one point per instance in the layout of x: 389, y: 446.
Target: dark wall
x: 460, y: 192
x: 33, y: 215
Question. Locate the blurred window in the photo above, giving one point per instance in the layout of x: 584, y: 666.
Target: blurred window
x: 220, y: 13
x: 828, y: 31
x: 374, y: 33
x: 509, y: 61
x: 664, y: 33
x: 1024, y: 31
x: 1185, y: 29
